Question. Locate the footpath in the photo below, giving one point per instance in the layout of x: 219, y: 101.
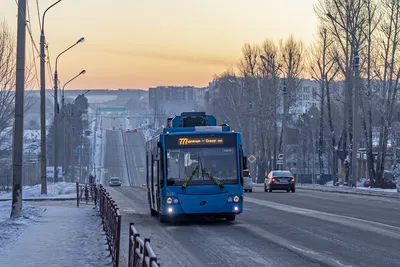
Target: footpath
x: 62, y: 236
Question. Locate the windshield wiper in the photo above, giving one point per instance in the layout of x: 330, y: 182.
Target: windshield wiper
x: 188, y: 179
x: 204, y: 171
x: 212, y: 178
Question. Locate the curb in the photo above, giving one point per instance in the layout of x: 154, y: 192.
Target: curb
x: 41, y: 199
x: 373, y: 194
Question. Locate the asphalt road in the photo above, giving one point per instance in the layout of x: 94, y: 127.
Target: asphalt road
x: 307, y: 228
x: 134, y: 145
x: 114, y: 153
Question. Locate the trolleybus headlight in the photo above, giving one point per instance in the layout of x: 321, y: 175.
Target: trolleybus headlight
x: 169, y: 209
x: 169, y: 200
x: 176, y: 201
x: 236, y: 208
x: 236, y: 198
x: 229, y: 199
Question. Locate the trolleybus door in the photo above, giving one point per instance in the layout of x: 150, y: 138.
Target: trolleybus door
x: 154, y: 178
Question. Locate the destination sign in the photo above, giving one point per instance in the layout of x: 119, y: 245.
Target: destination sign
x: 200, y: 141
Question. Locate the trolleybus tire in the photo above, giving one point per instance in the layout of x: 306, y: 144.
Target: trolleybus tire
x: 163, y: 218
x: 153, y: 212
x: 230, y: 217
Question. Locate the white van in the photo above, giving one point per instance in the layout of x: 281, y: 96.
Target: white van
x: 247, y: 183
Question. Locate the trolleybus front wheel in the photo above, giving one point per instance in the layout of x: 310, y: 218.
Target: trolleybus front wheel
x: 163, y: 218
x: 153, y: 212
x: 230, y: 217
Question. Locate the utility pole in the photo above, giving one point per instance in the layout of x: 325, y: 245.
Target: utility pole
x: 55, y: 129
x: 313, y: 149
x: 356, y: 126
x: 18, y: 141
x: 43, y: 169
x: 284, y: 125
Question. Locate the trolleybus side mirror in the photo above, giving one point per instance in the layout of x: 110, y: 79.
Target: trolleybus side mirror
x: 244, y: 162
x: 157, y: 155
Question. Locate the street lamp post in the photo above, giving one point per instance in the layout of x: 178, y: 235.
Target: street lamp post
x: 356, y: 128
x: 43, y: 106
x: 56, y: 109
x: 63, y: 114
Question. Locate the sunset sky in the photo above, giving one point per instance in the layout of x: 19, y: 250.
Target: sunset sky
x: 141, y: 44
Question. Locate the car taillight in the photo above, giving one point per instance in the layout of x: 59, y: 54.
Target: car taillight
x: 273, y: 180
x: 292, y: 180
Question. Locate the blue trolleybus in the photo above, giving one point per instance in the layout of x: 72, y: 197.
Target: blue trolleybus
x: 195, y: 168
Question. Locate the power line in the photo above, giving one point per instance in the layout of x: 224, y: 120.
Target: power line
x: 38, y: 13
x: 33, y: 46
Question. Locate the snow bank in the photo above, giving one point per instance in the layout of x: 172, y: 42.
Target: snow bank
x: 351, y: 190
x: 54, y: 190
x: 345, y: 189
x: 12, y: 228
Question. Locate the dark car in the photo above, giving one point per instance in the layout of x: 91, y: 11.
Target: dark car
x: 280, y: 180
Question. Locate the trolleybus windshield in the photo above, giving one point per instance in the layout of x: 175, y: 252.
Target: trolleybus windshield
x: 201, y: 157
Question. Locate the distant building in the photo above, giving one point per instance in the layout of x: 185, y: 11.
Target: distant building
x: 167, y: 101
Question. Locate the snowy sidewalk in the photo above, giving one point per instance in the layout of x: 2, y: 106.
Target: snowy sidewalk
x: 61, y: 237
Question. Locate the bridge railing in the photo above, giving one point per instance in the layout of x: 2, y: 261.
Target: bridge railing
x: 111, y: 219
x: 140, y: 251
x: 86, y: 193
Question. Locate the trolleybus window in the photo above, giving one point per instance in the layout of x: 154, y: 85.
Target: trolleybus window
x: 220, y: 162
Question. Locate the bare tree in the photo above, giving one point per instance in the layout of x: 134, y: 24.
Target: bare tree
x: 292, y: 56
x: 270, y: 72
x: 387, y: 69
x: 345, y: 21
x: 374, y: 17
x: 248, y: 69
x: 323, y: 69
x: 7, y: 77
x: 7, y: 85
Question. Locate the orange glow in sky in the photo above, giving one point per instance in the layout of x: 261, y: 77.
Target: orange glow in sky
x: 141, y: 44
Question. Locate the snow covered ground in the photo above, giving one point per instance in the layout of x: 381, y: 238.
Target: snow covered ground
x: 352, y: 190
x: 59, y: 236
x: 345, y: 189
x: 54, y: 190
x: 10, y: 229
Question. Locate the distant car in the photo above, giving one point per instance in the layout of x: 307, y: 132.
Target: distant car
x: 280, y: 180
x: 114, y: 181
x: 247, y: 183
x: 135, y: 130
x: 385, y: 184
x: 128, y: 130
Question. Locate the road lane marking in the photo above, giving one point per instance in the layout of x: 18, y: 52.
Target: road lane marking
x: 296, y: 249
x: 380, y: 228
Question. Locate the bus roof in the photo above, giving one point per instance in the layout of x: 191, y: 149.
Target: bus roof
x: 202, y: 129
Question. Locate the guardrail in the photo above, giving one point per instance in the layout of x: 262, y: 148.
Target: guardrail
x: 111, y: 219
x: 87, y: 192
x: 140, y: 252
